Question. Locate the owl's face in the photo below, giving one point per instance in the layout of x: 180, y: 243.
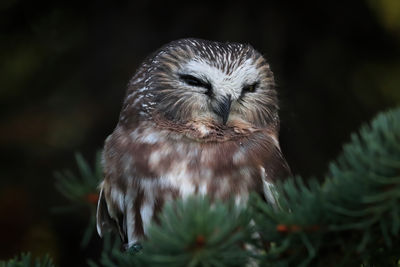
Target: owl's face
x: 222, y: 83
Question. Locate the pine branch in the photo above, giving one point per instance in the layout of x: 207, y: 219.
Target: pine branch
x: 351, y: 219
x: 82, y: 190
x: 25, y: 260
x: 193, y: 232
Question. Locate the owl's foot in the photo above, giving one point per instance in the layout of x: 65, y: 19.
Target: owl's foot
x: 133, y: 248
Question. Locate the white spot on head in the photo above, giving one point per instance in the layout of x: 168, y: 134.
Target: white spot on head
x: 137, y: 99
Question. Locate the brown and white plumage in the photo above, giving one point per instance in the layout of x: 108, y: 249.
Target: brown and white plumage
x: 199, y: 117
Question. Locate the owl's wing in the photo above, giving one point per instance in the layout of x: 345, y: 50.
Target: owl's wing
x: 105, y: 222
x: 274, y: 168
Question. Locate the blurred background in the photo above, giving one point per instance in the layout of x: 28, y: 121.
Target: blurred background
x: 64, y: 67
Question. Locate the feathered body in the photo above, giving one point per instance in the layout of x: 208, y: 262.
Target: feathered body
x: 199, y: 117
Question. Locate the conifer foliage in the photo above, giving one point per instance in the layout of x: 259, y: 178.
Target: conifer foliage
x: 25, y: 260
x: 192, y: 233
x: 353, y: 218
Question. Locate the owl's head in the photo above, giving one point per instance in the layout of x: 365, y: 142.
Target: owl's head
x: 192, y: 79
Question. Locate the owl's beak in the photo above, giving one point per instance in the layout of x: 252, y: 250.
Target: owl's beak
x: 223, y: 108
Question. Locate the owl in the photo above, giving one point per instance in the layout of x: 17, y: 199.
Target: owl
x: 199, y: 118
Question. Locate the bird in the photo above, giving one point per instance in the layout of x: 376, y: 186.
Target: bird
x: 199, y: 118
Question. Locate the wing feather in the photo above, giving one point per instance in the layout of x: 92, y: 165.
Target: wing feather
x: 275, y: 169
x: 105, y: 222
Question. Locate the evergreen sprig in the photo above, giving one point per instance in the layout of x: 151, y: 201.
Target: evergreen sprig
x: 353, y: 218
x: 193, y: 232
x: 82, y: 190
x: 25, y: 260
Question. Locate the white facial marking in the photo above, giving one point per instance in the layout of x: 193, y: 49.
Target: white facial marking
x: 224, y: 84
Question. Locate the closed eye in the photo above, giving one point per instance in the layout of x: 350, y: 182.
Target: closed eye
x: 249, y: 88
x: 191, y: 80
x: 194, y: 81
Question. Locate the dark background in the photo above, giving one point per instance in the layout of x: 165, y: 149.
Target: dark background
x: 64, y: 68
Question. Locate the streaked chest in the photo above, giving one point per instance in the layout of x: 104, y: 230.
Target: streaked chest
x: 218, y: 169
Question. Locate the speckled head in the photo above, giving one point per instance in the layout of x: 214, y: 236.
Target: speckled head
x: 199, y: 80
